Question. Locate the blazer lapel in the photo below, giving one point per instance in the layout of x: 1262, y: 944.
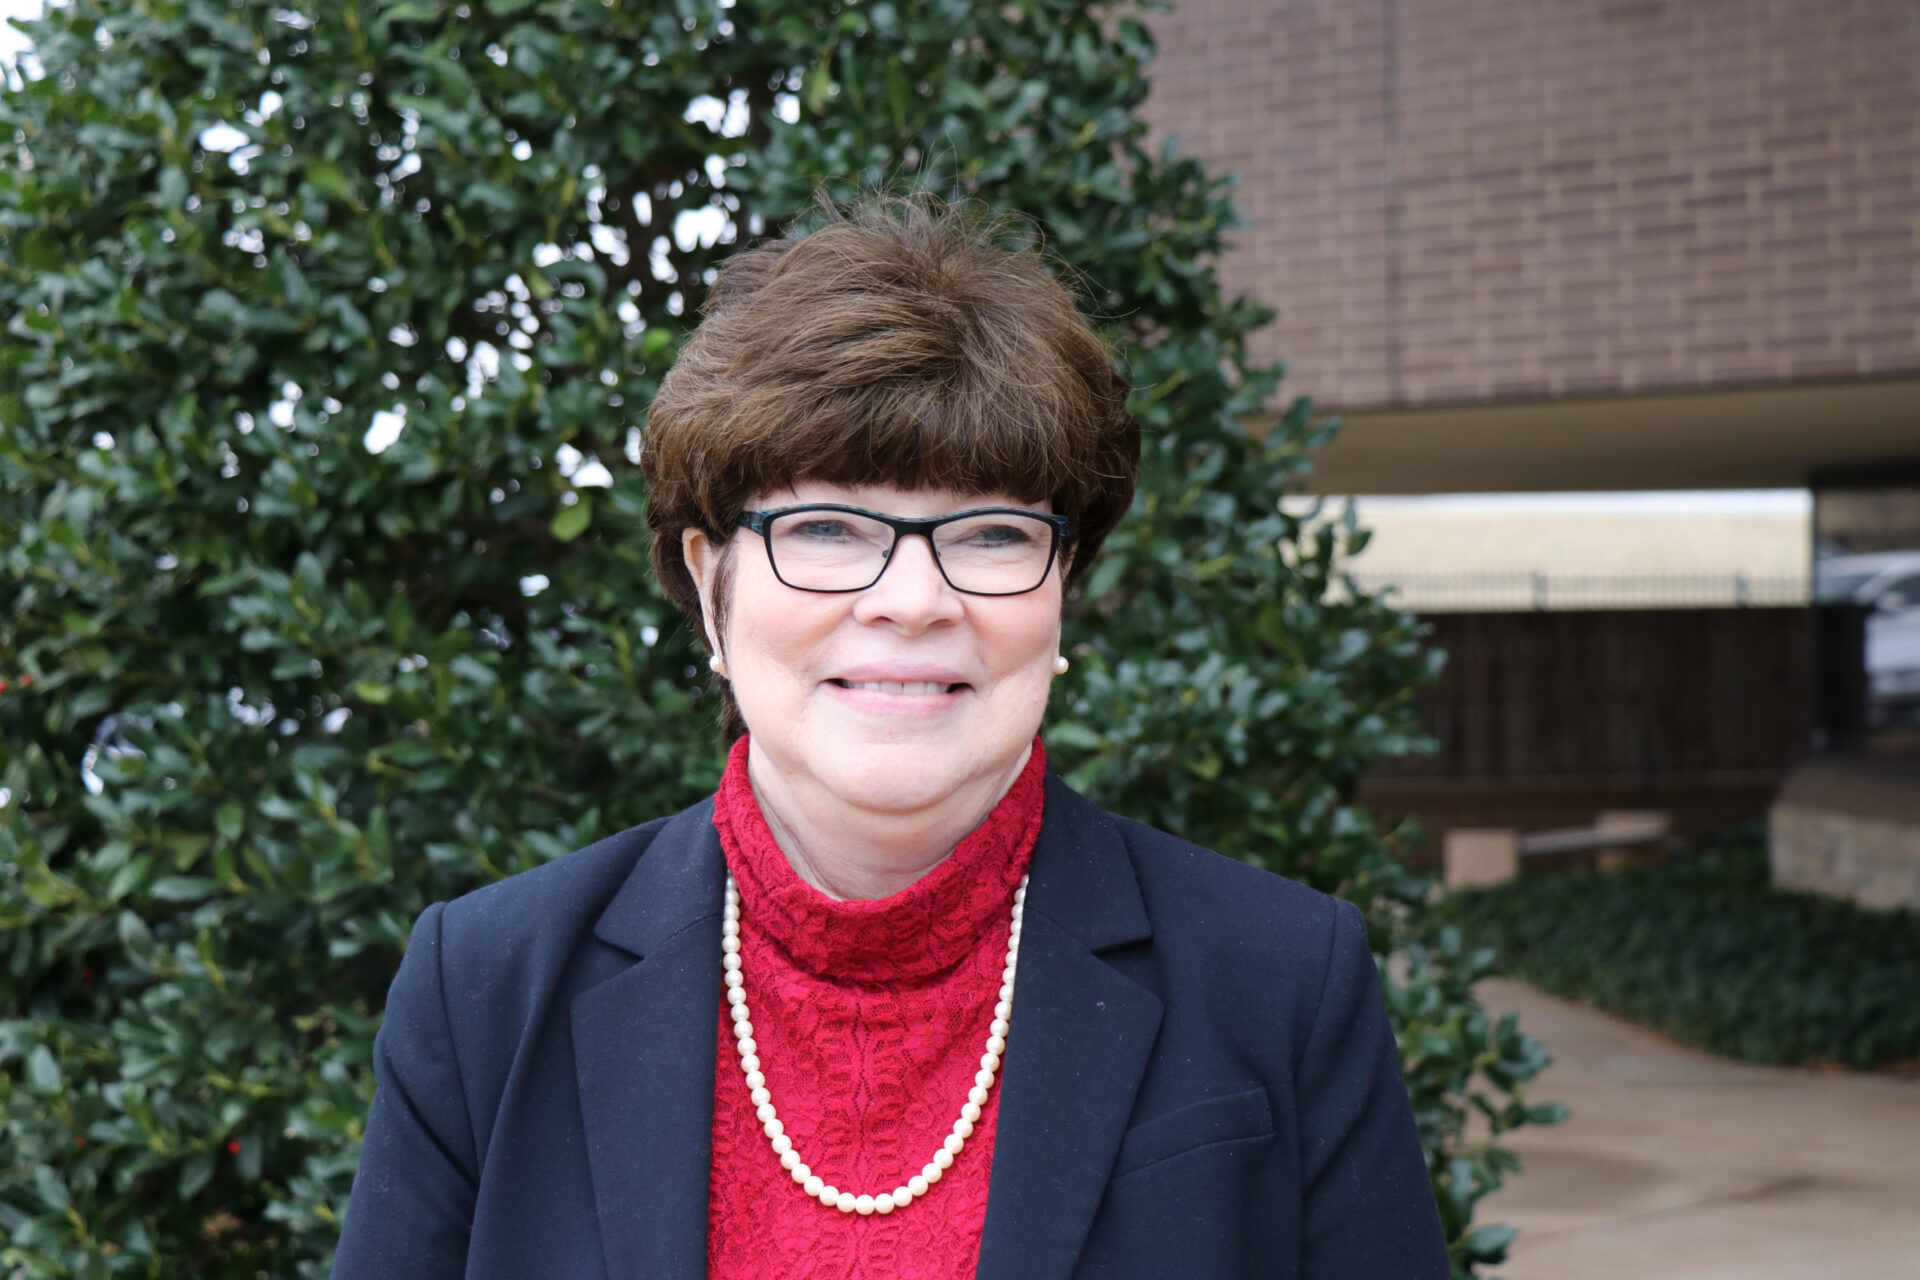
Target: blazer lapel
x: 644, y: 1052
x: 1080, y: 1039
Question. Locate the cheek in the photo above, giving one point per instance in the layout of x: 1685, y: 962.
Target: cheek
x: 770, y: 631
x: 1024, y: 641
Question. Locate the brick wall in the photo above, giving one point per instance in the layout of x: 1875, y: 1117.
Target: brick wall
x: 1471, y: 200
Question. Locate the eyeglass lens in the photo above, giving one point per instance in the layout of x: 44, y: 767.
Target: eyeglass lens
x: 999, y: 553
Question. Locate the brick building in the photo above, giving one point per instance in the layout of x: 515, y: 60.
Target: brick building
x: 1580, y: 214
x: 1536, y: 245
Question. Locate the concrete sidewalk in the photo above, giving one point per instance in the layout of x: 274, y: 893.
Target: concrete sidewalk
x: 1679, y: 1166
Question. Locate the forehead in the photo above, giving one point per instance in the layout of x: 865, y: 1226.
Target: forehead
x: 891, y: 499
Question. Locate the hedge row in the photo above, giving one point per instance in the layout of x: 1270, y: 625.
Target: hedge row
x: 1706, y: 950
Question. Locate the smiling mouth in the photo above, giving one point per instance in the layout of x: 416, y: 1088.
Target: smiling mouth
x: 920, y: 687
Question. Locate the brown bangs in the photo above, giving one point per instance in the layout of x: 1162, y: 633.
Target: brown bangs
x: 900, y: 344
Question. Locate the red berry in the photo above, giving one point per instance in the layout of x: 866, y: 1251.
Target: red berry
x: 3, y: 685
x: 233, y: 1148
x: 86, y: 975
x: 79, y: 1142
x: 26, y: 682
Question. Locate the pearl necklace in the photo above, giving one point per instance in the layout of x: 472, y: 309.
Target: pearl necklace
x: 943, y: 1157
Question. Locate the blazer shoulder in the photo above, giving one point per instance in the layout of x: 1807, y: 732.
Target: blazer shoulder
x: 1188, y: 880
x: 1273, y: 942
x: 532, y: 899
x: 1279, y: 947
x: 524, y: 929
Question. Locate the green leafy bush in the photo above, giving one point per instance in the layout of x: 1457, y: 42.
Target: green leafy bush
x: 1706, y: 950
x: 322, y: 569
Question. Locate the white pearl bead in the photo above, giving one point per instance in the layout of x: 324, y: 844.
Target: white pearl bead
x: 747, y: 1044
x: 739, y: 1011
x: 977, y: 1096
x: 989, y: 1061
x: 736, y: 997
x: 846, y: 1201
x: 963, y: 1127
x: 951, y: 1146
x: 763, y: 1113
x: 971, y: 1112
x: 996, y: 1044
x: 734, y: 980
x: 801, y: 1173
x: 789, y: 1158
x: 730, y: 945
x: 883, y: 1203
x: 782, y: 1144
x: 756, y: 1081
x: 749, y: 1061
x: 760, y: 1097
x: 730, y: 962
x: 730, y: 928
x: 773, y: 1128
x: 930, y: 1172
x: 902, y: 1197
x: 863, y: 1205
x: 943, y: 1159
x: 917, y: 1184
x: 829, y: 1195
x: 983, y: 1077
x: 812, y: 1186
x: 998, y: 1028
x: 1003, y: 1010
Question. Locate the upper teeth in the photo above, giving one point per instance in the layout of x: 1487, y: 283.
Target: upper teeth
x: 898, y: 686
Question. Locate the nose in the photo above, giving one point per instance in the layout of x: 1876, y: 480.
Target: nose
x: 911, y: 591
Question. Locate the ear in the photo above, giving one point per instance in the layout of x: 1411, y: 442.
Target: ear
x: 702, y: 555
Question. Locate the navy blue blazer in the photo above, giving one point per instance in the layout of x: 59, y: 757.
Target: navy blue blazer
x: 1200, y: 1080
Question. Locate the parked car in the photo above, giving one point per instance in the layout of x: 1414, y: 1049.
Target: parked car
x: 1888, y: 583
x: 1864, y: 579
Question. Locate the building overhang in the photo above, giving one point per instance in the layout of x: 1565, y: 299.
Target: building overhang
x: 1773, y: 437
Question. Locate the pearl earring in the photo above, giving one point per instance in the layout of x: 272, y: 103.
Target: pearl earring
x: 718, y: 665
x: 1060, y: 664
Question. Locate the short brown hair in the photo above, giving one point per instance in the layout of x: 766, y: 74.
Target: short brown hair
x: 901, y: 342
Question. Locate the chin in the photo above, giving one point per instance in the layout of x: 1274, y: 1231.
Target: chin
x: 899, y: 777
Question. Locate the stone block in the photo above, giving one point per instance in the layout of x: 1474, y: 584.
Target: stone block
x: 1479, y: 857
x: 1873, y: 861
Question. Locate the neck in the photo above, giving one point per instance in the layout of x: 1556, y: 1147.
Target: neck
x: 852, y: 853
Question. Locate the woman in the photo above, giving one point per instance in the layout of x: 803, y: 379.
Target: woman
x: 895, y: 1002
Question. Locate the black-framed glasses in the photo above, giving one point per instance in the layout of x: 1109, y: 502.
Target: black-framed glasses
x: 985, y: 551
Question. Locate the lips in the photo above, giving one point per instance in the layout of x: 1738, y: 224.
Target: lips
x: 920, y: 688
x: 909, y: 679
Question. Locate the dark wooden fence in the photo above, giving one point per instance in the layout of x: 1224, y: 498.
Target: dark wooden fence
x: 1544, y: 718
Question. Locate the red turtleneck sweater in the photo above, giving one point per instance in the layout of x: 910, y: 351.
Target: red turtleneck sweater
x: 870, y: 1019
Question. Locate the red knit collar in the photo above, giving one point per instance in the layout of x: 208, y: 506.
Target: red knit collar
x: 923, y: 930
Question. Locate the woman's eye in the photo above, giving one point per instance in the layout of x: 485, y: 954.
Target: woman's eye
x: 825, y: 529
x: 997, y: 535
